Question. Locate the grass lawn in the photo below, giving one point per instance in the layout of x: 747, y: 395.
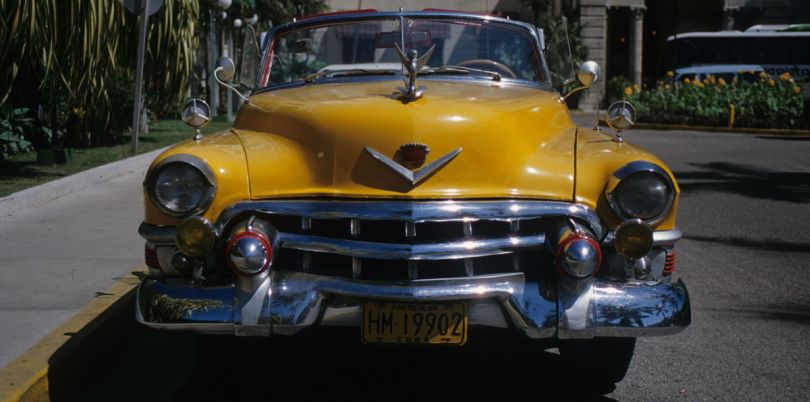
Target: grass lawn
x: 21, y: 171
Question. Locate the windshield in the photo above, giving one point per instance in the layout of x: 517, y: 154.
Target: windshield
x: 369, y: 47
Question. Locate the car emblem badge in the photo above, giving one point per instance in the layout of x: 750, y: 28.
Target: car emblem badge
x: 412, y: 156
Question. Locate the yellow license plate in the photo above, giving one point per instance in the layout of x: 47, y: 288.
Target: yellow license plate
x: 414, y: 323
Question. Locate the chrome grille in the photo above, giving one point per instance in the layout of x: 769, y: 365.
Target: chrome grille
x: 411, y: 240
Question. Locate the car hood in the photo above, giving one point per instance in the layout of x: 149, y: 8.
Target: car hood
x: 515, y: 141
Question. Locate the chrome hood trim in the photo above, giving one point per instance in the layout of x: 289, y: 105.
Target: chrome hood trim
x: 419, y: 211
x: 414, y: 177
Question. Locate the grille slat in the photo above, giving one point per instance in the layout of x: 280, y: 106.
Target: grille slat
x: 427, y: 243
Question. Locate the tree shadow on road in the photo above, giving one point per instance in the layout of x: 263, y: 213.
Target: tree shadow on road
x: 785, y: 137
x: 746, y: 180
x: 755, y: 244
x: 792, y: 312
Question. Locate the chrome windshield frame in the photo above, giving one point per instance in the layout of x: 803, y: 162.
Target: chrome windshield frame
x: 397, y: 15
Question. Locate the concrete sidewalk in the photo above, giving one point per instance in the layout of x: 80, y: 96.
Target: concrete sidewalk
x: 65, y: 247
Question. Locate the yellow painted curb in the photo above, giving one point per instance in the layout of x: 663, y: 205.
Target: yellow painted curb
x: 26, y: 378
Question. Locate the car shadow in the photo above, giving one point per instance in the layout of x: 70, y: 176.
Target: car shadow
x: 115, y: 359
x: 336, y: 365
x: 746, y: 180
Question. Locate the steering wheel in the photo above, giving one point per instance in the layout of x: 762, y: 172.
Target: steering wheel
x: 489, y: 65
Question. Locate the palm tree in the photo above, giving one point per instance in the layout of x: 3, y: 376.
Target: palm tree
x: 78, y: 57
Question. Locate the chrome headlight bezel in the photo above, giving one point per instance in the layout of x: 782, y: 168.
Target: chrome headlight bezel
x: 640, y: 167
x: 190, y: 162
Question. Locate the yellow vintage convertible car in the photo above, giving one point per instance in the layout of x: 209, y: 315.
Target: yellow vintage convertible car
x: 414, y: 175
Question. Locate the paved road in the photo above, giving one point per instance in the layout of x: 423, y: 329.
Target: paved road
x: 743, y: 212
x: 55, y: 258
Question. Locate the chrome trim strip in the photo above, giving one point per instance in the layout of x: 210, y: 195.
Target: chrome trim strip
x: 392, y: 251
x: 418, y: 175
x: 157, y: 234
x: 419, y: 211
x: 666, y: 237
x: 661, y: 238
x: 499, y: 286
x: 319, y: 20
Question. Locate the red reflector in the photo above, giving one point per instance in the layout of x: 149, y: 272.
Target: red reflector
x: 151, y: 258
x: 669, y: 265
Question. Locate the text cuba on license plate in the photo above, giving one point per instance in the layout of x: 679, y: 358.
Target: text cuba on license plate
x: 427, y: 323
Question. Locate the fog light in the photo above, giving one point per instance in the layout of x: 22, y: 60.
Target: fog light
x: 249, y: 253
x: 578, y: 256
x: 195, y: 236
x: 633, y: 239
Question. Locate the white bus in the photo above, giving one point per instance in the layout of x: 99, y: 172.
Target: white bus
x: 777, y: 49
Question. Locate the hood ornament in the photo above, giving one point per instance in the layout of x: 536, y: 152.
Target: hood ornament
x: 413, y: 63
x: 413, y: 150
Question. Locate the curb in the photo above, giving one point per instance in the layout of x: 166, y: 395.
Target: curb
x: 65, y: 349
x: 713, y: 129
x: 44, y: 193
x: 734, y: 130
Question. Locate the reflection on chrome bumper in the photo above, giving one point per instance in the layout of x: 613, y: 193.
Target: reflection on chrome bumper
x: 286, y: 302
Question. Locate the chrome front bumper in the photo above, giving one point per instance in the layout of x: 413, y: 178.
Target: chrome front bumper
x: 287, y: 302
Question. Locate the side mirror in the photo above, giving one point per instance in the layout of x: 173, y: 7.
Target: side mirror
x: 588, y: 73
x: 224, y: 72
x: 225, y: 69
x: 249, y: 66
x: 620, y: 115
x: 196, y: 113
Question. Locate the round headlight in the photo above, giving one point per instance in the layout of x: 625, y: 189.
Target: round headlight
x: 182, y: 186
x: 644, y: 195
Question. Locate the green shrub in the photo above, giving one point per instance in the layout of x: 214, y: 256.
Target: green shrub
x: 616, y: 86
x: 763, y: 102
x: 14, y: 125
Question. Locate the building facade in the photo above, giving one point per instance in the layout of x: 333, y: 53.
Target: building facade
x: 628, y: 37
